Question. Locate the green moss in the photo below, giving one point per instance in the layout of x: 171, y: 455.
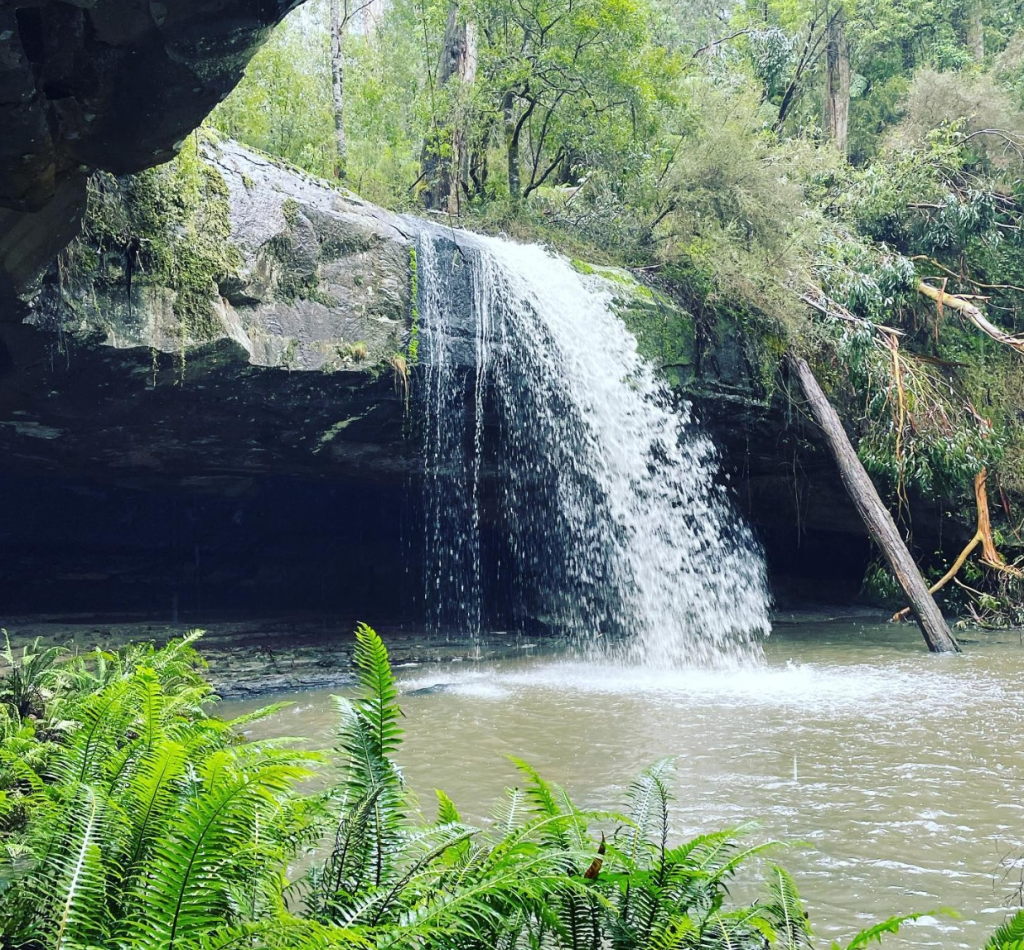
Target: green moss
x: 335, y: 430
x: 167, y: 226
x: 414, y: 289
x: 664, y: 333
x: 290, y: 354
x: 337, y: 245
x: 290, y: 210
x: 617, y: 275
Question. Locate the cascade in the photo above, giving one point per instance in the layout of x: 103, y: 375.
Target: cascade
x: 562, y: 483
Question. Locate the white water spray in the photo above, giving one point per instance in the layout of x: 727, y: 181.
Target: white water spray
x: 561, y: 479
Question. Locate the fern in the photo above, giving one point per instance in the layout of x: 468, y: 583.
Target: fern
x: 142, y: 821
x: 379, y: 702
x: 785, y: 909
x: 77, y: 890
x: 647, y: 807
x: 1009, y: 935
x: 182, y: 888
x: 447, y: 813
x: 875, y: 933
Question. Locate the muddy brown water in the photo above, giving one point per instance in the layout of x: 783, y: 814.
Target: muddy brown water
x: 897, y: 776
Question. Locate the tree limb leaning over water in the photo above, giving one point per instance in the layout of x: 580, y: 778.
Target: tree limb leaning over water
x: 875, y: 515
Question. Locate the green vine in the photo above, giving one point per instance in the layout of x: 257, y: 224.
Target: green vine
x: 414, y: 333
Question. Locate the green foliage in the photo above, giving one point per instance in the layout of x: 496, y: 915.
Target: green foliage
x: 880, y: 587
x: 148, y: 820
x: 24, y: 687
x: 150, y: 823
x: 875, y: 933
x: 283, y: 106
x: 1009, y: 935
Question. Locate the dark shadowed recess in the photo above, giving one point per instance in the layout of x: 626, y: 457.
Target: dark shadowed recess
x: 194, y: 550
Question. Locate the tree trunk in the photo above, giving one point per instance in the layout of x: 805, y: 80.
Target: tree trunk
x: 338, y: 24
x: 875, y: 515
x: 976, y: 31
x: 837, y: 83
x: 442, y: 173
x: 515, y: 185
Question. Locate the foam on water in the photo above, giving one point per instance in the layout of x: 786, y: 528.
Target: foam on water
x: 562, y: 480
x: 888, y: 691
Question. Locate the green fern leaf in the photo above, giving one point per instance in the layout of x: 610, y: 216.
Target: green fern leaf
x: 1009, y: 935
x: 379, y: 703
x: 875, y: 933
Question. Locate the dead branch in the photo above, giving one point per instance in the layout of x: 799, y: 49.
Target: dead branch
x: 972, y: 313
x: 990, y: 557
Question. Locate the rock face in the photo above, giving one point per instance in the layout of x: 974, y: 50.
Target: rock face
x: 188, y: 313
x: 206, y: 408
x: 226, y: 245
x: 109, y: 84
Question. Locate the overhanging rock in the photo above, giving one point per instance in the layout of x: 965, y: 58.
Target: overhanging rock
x: 108, y: 84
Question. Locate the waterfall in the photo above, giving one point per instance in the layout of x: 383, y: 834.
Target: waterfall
x: 563, y: 484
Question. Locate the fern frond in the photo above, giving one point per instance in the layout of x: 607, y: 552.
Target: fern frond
x: 875, y: 933
x: 786, y: 910
x: 510, y: 812
x: 258, y: 714
x: 379, y: 702
x: 447, y: 813
x: 1009, y: 935
x: 70, y: 883
x: 647, y: 808
x: 182, y: 887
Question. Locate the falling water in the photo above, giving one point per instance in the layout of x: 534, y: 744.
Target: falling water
x: 563, y: 486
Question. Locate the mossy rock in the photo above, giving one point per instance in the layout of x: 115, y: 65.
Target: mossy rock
x: 225, y: 244
x: 664, y: 331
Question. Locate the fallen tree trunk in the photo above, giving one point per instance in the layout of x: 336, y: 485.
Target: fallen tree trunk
x: 875, y: 515
x: 972, y: 313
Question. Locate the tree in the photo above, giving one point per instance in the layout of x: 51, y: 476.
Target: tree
x: 837, y: 82
x: 342, y: 13
x: 446, y: 152
x: 567, y: 82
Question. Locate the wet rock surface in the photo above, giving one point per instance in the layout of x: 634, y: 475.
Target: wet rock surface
x: 281, y: 368
x: 257, y: 657
x: 234, y: 440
